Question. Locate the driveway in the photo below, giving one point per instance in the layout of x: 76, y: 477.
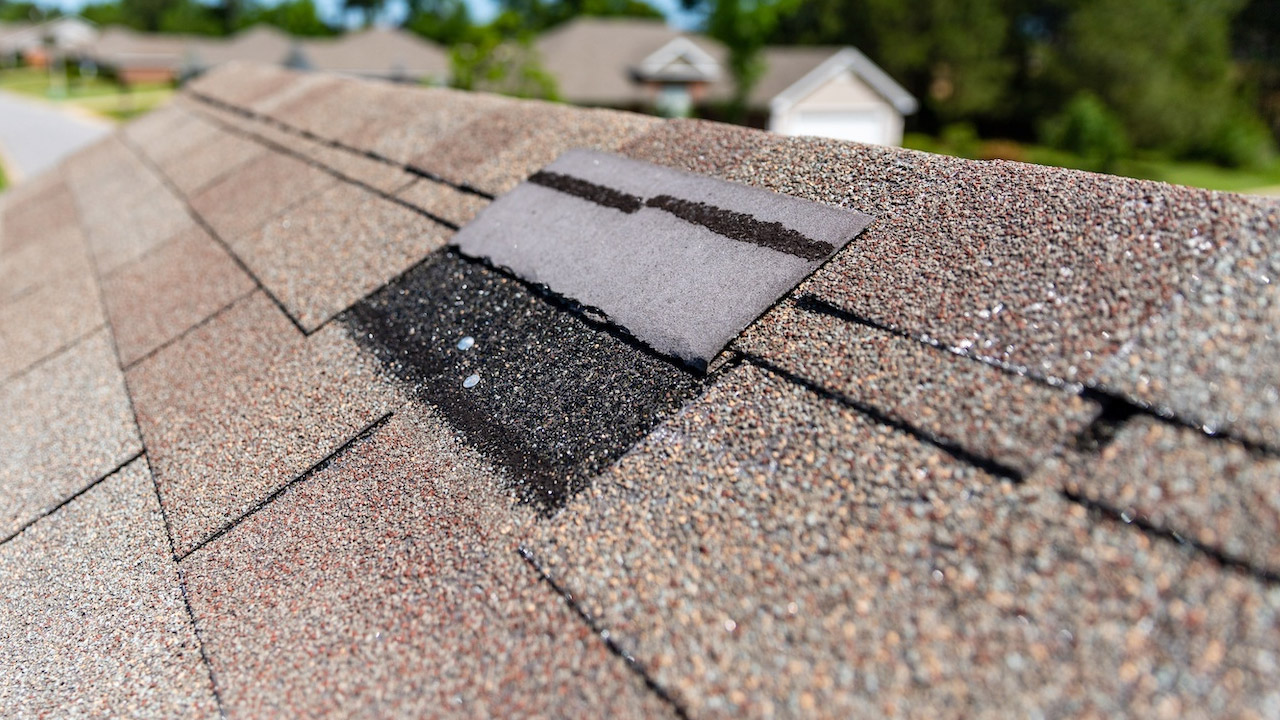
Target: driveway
x: 35, y: 135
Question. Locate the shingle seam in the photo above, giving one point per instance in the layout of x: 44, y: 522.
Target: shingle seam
x: 19, y: 295
x: 1100, y: 395
x: 302, y: 157
x: 177, y: 338
x: 186, y: 599
x: 630, y: 660
x: 989, y: 465
x: 337, y: 144
x: 319, y: 466
x: 1162, y: 533
x: 64, y: 502
x: 204, y: 224
x: 52, y: 354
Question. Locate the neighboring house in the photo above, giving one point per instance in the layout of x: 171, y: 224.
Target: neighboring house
x: 31, y: 42
x: 383, y: 53
x: 136, y: 57
x: 387, y: 54
x: 644, y: 65
x: 260, y: 43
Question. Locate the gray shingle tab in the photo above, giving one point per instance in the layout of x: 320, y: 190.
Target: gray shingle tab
x: 682, y: 262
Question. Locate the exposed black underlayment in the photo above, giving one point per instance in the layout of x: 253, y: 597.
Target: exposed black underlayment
x: 557, y: 400
x: 598, y: 194
x: 743, y: 227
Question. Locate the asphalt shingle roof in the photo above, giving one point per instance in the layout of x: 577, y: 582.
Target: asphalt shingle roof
x: 273, y: 446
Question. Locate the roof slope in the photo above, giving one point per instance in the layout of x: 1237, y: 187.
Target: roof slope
x: 275, y: 447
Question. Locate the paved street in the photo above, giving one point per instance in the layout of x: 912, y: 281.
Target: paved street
x: 34, y: 136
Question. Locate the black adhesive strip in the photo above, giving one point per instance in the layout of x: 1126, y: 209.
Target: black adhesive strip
x: 743, y: 227
x: 598, y: 194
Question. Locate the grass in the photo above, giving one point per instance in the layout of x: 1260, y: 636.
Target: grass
x: 97, y: 95
x: 3, y: 181
x: 1195, y: 174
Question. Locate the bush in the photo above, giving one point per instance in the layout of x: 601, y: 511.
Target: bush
x: 961, y: 140
x: 1241, y: 141
x: 1002, y: 150
x: 1088, y: 128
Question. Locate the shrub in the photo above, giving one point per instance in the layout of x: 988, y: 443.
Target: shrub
x: 1088, y: 128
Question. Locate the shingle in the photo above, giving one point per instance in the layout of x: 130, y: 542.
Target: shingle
x: 554, y: 400
x: 990, y: 413
x: 683, y: 262
x: 187, y: 133
x: 31, y: 218
x: 406, y: 125
x: 92, y: 619
x: 324, y: 254
x: 381, y: 176
x: 1210, y: 357
x: 331, y: 109
x: 161, y: 295
x: 383, y: 585
x: 1039, y: 267
x: 246, y: 198
x: 59, y: 254
x: 243, y: 404
x: 65, y: 424
x: 216, y: 155
x: 125, y: 208
x: 767, y: 551
x: 499, y: 149
x: 240, y: 84
x: 1209, y: 490
x: 444, y: 201
x: 47, y: 319
x: 696, y: 146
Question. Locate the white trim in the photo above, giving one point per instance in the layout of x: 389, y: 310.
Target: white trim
x: 705, y: 66
x: 848, y: 59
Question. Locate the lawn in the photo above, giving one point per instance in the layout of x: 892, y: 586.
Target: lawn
x: 3, y: 182
x: 1195, y: 174
x: 96, y: 95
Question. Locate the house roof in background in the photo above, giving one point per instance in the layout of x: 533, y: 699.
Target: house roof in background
x: 791, y: 73
x: 1011, y: 450
x: 593, y: 59
x: 381, y: 52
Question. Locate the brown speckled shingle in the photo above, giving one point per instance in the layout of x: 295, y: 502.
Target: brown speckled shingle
x: 769, y: 552
x: 324, y: 254
x: 246, y: 198
x: 156, y: 298
x: 92, y: 617
x: 242, y: 405
x: 988, y: 412
x: 1211, y: 491
x: 63, y: 425
x: 388, y: 585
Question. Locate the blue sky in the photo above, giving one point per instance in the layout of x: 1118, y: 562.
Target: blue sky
x: 481, y: 10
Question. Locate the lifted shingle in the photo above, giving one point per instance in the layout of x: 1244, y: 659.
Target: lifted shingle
x: 682, y: 262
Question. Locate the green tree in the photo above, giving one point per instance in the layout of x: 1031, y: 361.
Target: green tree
x: 953, y: 54
x: 295, y: 17
x: 444, y: 21
x: 1165, y: 68
x: 368, y: 8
